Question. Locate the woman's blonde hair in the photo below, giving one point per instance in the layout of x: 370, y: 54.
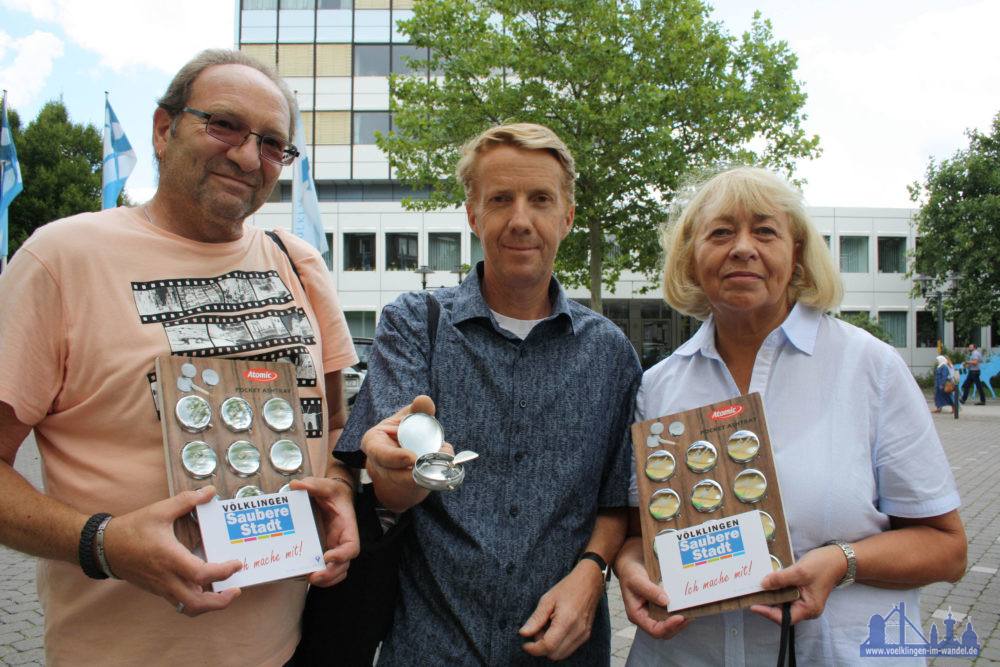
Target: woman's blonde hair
x: 815, y: 280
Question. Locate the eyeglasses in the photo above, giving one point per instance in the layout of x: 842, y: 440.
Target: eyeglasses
x: 235, y: 132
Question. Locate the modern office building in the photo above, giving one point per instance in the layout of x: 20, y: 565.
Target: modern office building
x: 338, y: 54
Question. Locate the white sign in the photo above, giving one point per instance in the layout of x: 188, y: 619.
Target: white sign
x: 716, y: 560
x: 273, y: 534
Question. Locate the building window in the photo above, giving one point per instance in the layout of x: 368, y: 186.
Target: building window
x: 335, y: 4
x: 367, y: 122
x: 891, y: 254
x: 444, y: 251
x: 894, y: 323
x: 400, y: 53
x: 475, y: 250
x: 372, y: 60
x: 826, y: 239
x: 328, y: 255
x: 359, y: 252
x: 854, y: 254
x: 401, y: 251
x: 260, y: 4
x: 298, y: 4
x: 927, y: 328
x: 361, y: 323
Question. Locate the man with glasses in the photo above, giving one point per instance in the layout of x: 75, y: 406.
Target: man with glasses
x: 88, y: 303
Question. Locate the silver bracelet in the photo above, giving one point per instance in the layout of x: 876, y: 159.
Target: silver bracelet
x: 102, y: 560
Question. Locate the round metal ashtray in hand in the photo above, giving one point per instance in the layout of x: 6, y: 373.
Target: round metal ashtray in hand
x: 438, y: 471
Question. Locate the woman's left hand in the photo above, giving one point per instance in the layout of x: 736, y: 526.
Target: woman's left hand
x: 815, y: 575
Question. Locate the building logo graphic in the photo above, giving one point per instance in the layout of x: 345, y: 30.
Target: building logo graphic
x: 895, y: 635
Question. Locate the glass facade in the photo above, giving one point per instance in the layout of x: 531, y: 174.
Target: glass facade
x: 400, y: 251
x: 444, y: 250
x: 891, y: 254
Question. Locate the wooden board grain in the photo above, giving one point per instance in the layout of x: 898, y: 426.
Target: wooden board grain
x: 254, y: 381
x: 712, y: 423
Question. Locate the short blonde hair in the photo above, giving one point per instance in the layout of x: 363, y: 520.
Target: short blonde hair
x: 817, y: 283
x: 529, y: 136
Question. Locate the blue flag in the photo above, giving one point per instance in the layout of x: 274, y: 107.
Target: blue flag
x: 119, y: 158
x: 10, y: 176
x: 306, y: 221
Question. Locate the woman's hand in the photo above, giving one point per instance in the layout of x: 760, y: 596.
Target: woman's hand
x: 815, y: 575
x: 638, y: 592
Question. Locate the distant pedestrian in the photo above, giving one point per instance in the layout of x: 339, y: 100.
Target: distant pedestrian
x: 943, y: 375
x: 972, y: 380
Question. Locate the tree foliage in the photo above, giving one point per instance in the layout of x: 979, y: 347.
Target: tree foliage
x: 641, y: 91
x: 864, y: 321
x: 959, y: 229
x: 61, y: 169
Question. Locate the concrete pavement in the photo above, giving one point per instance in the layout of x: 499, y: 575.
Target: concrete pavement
x: 972, y: 444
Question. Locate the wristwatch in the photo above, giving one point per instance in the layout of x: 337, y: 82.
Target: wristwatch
x: 601, y: 563
x: 852, y: 562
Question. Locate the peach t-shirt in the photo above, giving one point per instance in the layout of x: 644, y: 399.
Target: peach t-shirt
x: 88, y: 303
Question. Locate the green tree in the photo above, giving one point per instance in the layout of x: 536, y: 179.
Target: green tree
x: 642, y: 92
x: 959, y: 229
x: 61, y: 168
x: 864, y: 321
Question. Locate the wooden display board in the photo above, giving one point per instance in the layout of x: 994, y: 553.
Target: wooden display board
x: 713, y: 423
x: 216, y: 380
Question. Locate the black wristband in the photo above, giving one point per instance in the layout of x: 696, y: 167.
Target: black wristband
x: 86, y: 549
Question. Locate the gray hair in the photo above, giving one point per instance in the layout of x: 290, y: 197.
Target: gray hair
x: 178, y: 92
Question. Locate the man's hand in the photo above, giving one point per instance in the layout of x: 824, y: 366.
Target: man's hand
x: 638, y: 591
x: 815, y: 575
x: 335, y: 501
x: 141, y: 548
x: 389, y: 465
x: 562, y: 620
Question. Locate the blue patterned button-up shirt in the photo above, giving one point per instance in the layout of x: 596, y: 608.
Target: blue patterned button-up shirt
x: 549, y: 416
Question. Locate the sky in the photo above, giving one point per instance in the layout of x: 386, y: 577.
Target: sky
x: 892, y: 84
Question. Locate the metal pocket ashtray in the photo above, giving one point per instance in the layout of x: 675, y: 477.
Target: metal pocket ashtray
x: 435, y: 470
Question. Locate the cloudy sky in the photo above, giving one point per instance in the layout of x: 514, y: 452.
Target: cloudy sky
x: 891, y: 83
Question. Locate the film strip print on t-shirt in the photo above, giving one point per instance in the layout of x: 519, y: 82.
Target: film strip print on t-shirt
x: 176, y: 299
x: 226, y: 335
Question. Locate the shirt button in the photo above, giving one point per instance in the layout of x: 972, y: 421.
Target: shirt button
x: 519, y: 457
x: 734, y: 632
x: 503, y: 625
x: 514, y: 511
x: 510, y: 568
x: 523, y: 403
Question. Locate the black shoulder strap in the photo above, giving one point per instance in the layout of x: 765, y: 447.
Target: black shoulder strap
x: 433, y: 315
x: 281, y: 244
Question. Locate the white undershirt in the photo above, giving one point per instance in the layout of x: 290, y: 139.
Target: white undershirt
x: 520, y: 328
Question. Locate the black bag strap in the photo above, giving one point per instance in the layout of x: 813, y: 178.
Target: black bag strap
x: 433, y: 316
x: 786, y: 645
x: 281, y: 244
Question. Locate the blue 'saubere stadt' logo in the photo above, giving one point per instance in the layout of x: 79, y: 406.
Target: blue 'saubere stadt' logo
x: 888, y: 636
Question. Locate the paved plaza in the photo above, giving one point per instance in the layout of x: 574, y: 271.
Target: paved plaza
x: 972, y: 444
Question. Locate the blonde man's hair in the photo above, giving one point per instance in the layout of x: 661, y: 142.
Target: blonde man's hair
x: 519, y: 135
x: 815, y: 280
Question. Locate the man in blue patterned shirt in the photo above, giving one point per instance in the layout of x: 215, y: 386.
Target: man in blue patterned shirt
x: 509, y: 568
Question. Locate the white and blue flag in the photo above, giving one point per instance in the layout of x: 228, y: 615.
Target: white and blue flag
x: 306, y: 221
x: 10, y: 175
x: 119, y: 158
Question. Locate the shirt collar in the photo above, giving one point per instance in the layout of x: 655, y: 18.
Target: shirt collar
x: 800, y: 328
x: 469, y: 304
